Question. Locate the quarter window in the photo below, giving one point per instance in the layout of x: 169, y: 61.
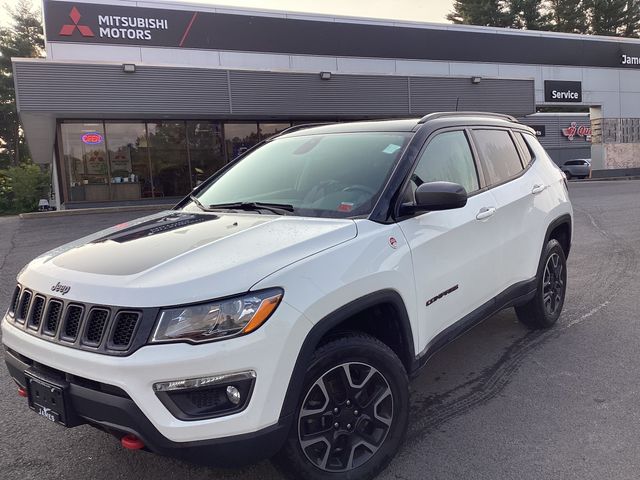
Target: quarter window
x: 526, y: 159
x: 499, y: 154
x: 446, y: 158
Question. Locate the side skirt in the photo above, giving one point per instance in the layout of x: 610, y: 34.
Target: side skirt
x: 515, y: 295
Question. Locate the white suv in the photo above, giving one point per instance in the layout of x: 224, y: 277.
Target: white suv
x: 281, y: 308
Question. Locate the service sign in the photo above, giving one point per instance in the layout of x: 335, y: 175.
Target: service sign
x: 541, y: 130
x: 562, y: 92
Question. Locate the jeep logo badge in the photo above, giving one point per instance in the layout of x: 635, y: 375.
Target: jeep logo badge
x: 63, y: 289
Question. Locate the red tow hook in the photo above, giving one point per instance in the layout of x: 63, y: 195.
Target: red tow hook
x: 22, y: 392
x: 131, y: 442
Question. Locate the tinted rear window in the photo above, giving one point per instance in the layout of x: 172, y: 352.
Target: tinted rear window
x: 499, y: 155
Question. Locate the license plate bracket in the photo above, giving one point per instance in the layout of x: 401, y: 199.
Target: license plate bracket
x: 48, y: 398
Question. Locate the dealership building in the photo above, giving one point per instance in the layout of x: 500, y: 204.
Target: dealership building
x: 139, y: 101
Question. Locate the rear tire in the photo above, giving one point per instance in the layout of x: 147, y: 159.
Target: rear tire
x: 544, y: 309
x: 352, y: 415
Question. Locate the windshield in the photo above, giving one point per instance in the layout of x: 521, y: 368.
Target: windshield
x: 331, y: 175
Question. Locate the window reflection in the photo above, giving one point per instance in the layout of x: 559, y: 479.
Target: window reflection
x: 206, y: 150
x: 240, y: 137
x: 85, y: 161
x: 269, y: 129
x: 128, y: 159
x: 169, y: 165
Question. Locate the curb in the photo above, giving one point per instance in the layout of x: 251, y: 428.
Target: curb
x: 606, y: 179
x: 96, y: 210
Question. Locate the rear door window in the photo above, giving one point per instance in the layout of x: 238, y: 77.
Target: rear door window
x: 499, y: 155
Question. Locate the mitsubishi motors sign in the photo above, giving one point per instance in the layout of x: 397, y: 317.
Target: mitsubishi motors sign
x: 116, y: 24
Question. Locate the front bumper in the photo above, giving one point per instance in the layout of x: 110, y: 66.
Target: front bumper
x: 271, y: 352
x: 110, y: 408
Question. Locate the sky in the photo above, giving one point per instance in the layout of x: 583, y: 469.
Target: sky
x: 412, y: 10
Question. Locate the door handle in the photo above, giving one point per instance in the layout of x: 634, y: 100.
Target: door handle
x: 538, y: 189
x: 485, y: 213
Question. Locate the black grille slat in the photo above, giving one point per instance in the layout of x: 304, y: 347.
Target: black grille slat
x: 23, y: 309
x: 52, y: 317
x: 15, y: 300
x: 72, y: 323
x: 36, y: 312
x: 124, y: 329
x: 95, y: 326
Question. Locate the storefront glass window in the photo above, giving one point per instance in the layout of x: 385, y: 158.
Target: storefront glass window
x: 206, y: 150
x: 85, y: 159
x: 128, y: 160
x: 240, y: 137
x: 169, y: 161
x: 269, y: 129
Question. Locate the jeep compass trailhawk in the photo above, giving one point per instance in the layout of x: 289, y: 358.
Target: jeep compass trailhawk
x: 280, y: 309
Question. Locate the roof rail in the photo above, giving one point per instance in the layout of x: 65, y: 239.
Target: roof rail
x: 433, y: 116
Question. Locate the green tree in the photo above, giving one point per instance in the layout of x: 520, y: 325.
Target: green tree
x: 22, y: 38
x: 488, y: 13
x: 631, y: 24
x: 606, y: 17
x: 567, y: 16
x: 529, y: 14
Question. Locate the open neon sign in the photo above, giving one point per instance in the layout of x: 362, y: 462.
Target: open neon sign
x: 92, y: 138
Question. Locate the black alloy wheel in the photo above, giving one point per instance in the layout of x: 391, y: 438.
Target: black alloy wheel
x: 544, y: 309
x: 352, y: 413
x: 345, y: 417
x: 553, y: 284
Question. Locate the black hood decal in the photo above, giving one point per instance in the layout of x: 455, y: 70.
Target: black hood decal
x: 157, y: 226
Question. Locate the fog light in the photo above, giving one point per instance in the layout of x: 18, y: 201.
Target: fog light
x: 233, y: 394
x: 207, y: 397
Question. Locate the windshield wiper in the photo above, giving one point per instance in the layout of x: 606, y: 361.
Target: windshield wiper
x: 278, y: 208
x: 199, y: 204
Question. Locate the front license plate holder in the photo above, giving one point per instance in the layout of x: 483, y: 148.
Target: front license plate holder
x: 48, y: 398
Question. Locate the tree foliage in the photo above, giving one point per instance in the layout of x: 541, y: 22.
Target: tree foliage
x: 597, y: 17
x: 22, y: 38
x: 489, y: 13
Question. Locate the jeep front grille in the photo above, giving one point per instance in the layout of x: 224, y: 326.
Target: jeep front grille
x: 14, y: 301
x: 52, y: 319
x: 23, y: 308
x: 72, y: 323
x: 37, y: 309
x: 104, y: 329
x: 95, y: 326
x: 125, y: 326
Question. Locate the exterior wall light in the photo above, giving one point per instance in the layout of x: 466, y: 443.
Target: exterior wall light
x: 128, y: 67
x: 325, y: 75
x: 476, y: 80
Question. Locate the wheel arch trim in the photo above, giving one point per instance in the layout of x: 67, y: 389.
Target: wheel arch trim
x: 334, y: 319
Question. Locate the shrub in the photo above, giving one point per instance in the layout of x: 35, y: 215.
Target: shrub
x: 21, y: 187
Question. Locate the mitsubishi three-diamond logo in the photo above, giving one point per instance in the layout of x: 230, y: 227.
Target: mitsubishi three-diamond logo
x: 67, y: 30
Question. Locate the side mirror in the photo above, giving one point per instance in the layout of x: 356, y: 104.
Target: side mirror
x: 432, y: 196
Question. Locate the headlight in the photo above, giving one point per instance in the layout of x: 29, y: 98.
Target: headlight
x: 217, y: 319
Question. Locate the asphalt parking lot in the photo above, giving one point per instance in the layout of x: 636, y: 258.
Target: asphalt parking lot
x: 499, y: 403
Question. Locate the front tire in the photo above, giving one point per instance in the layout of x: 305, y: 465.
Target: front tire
x: 544, y: 309
x: 353, y: 413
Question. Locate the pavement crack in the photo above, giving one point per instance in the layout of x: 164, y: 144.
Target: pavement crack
x: 12, y: 246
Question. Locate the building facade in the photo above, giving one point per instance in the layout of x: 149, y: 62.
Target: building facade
x: 140, y: 101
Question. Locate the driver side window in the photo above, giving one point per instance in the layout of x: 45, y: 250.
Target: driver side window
x: 447, y: 158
